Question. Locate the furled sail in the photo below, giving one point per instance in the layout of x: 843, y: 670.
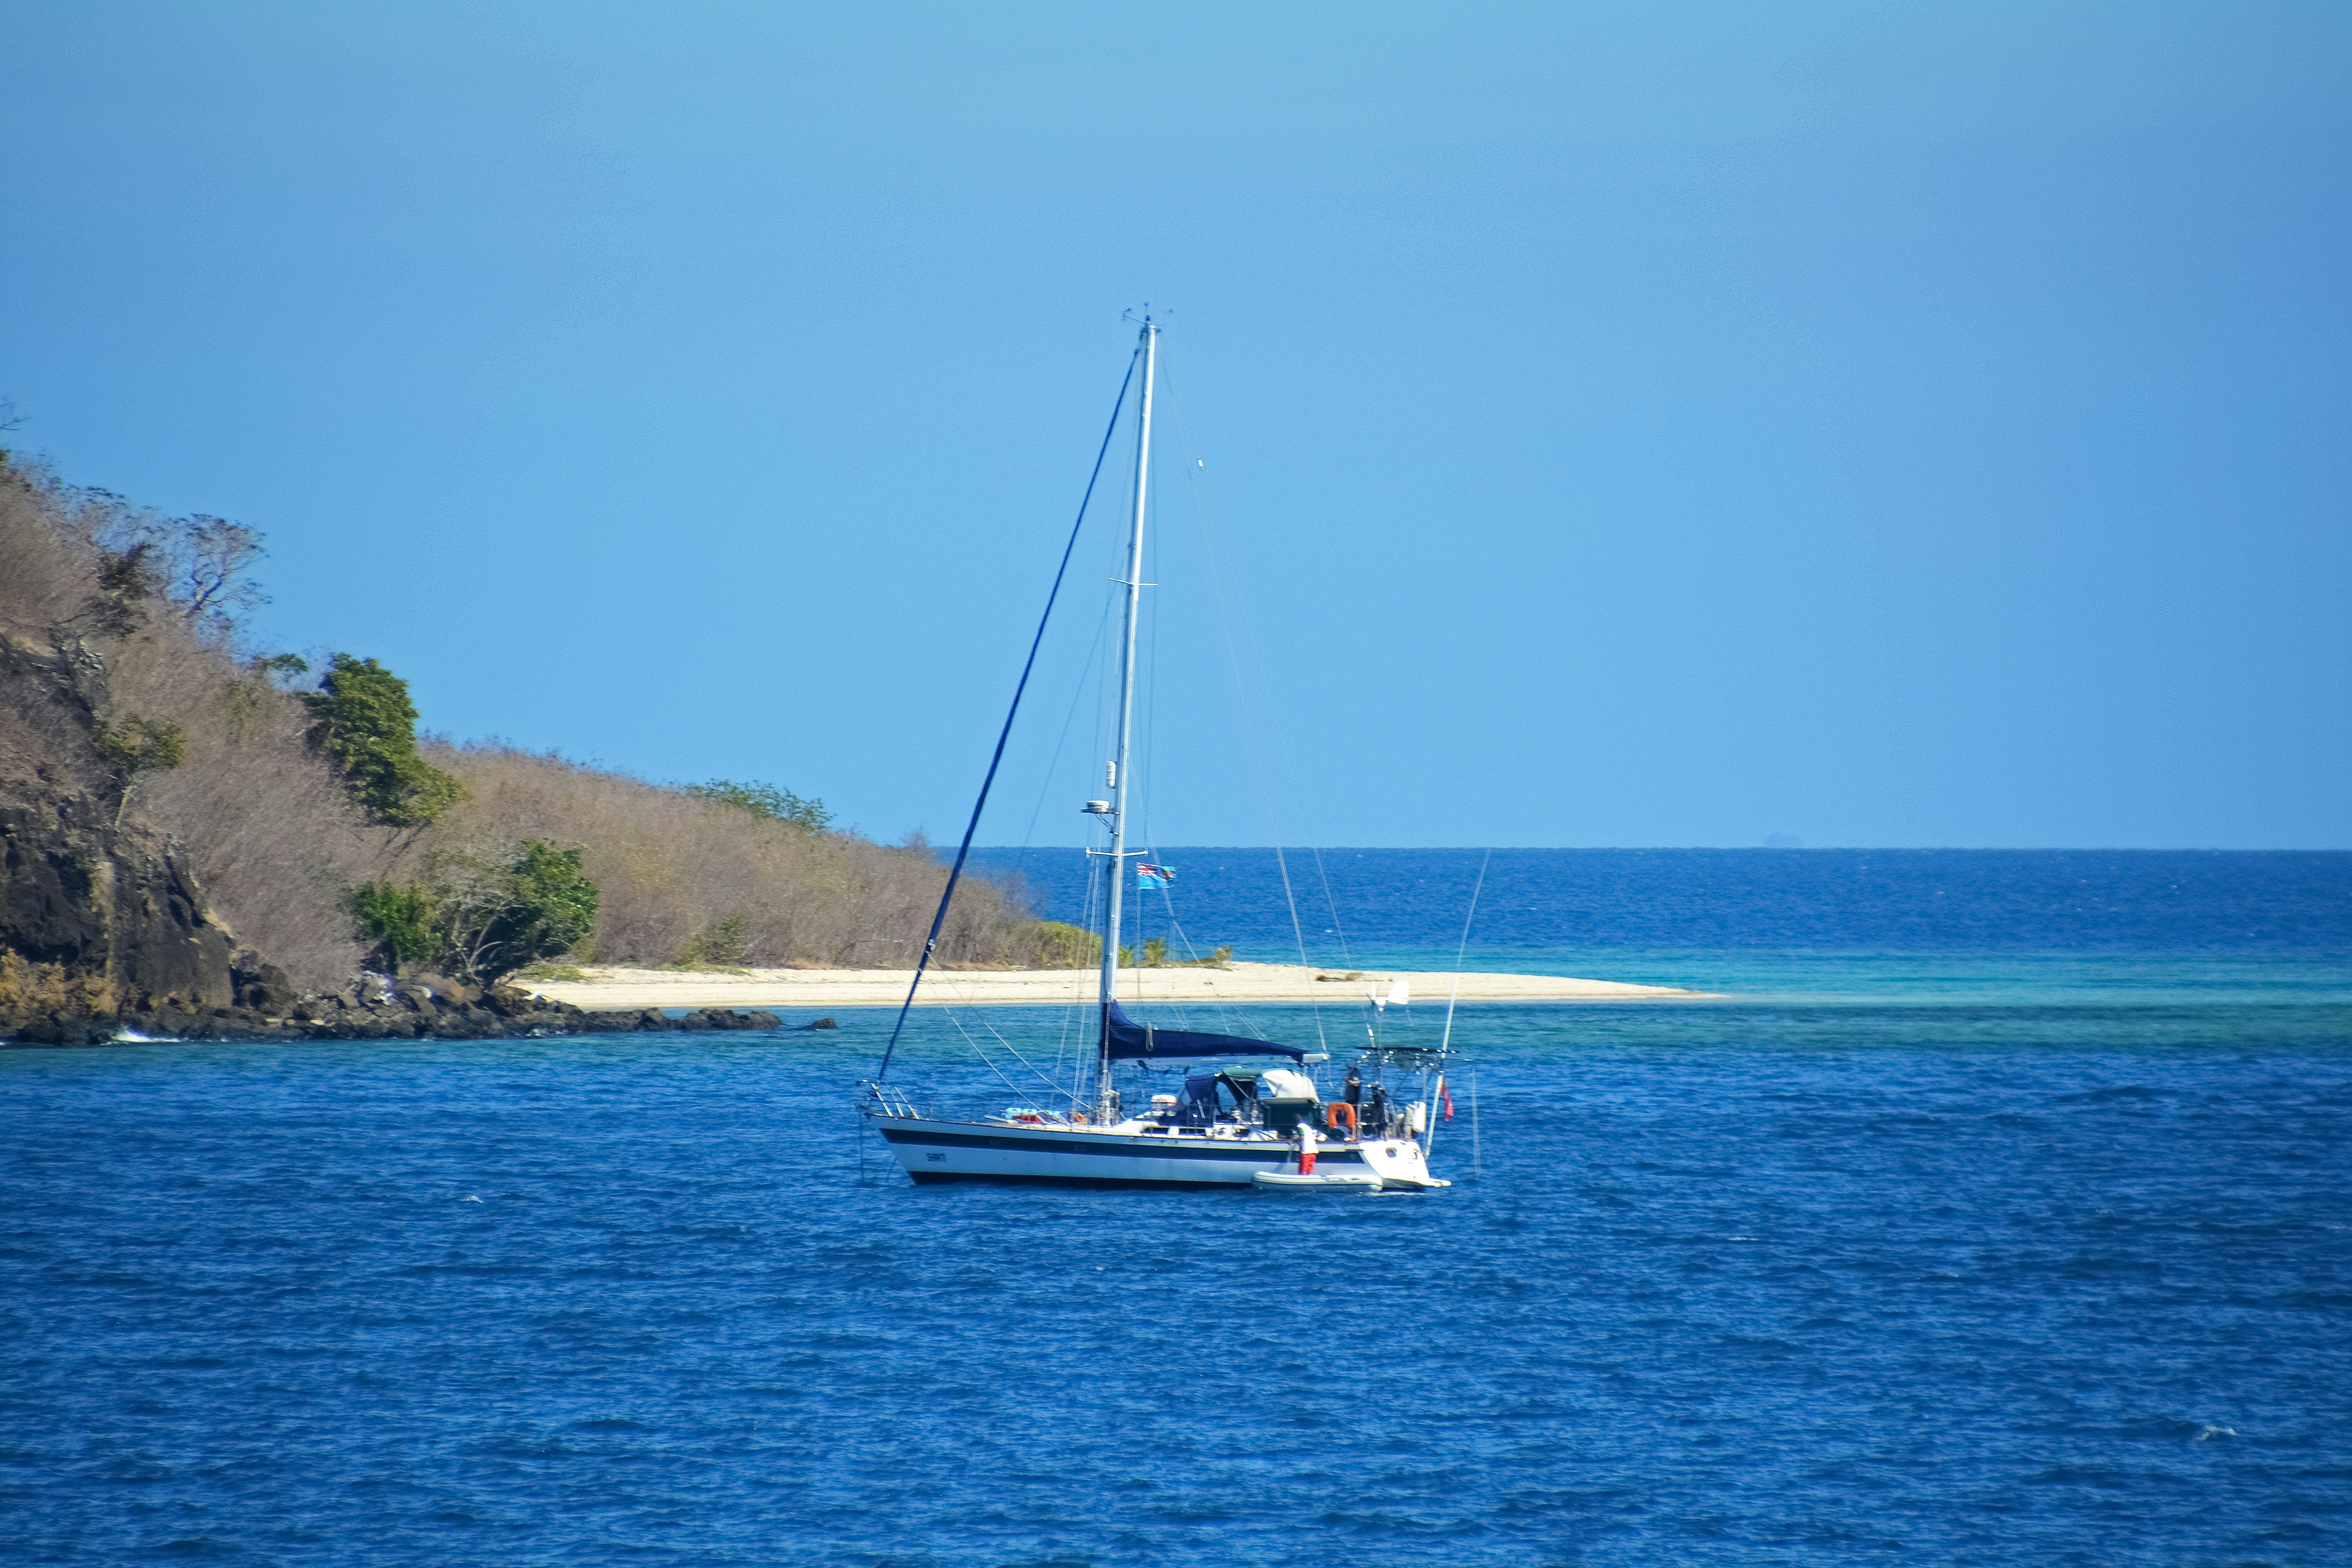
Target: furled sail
x: 1131, y: 1040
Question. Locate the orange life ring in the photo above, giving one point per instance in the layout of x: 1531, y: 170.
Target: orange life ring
x: 1332, y: 1117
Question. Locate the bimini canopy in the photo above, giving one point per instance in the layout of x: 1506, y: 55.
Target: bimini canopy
x: 1131, y: 1040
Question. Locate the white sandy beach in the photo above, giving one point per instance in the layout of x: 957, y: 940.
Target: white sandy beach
x: 619, y: 988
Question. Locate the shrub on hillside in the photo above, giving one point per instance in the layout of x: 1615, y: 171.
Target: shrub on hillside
x: 767, y: 800
x: 1065, y: 947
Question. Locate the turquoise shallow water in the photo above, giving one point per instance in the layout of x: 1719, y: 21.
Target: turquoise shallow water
x: 1870, y: 977
x: 1916, y: 1258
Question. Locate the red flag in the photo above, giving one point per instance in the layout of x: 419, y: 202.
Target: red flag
x: 1446, y: 1090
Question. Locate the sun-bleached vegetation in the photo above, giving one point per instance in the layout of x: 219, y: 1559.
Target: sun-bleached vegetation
x: 326, y: 833
x: 689, y: 878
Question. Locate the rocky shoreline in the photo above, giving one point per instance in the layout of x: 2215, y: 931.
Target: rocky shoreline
x: 431, y: 1008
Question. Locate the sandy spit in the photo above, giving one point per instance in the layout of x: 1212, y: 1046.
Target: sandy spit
x: 619, y: 988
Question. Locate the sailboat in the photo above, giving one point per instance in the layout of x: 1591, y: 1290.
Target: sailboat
x: 1252, y: 1113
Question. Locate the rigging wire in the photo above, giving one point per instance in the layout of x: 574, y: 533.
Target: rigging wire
x: 1241, y: 690
x: 1477, y: 1155
x: 979, y: 1011
x: 1333, y: 906
x: 984, y: 1056
x: 1091, y: 665
x: 1462, y: 952
x: 1077, y: 696
x: 955, y: 872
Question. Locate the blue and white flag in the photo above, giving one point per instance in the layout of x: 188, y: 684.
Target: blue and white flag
x: 1147, y: 876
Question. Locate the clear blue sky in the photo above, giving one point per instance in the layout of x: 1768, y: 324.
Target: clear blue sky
x: 1632, y: 425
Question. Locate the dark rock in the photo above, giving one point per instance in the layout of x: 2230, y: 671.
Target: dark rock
x: 729, y: 1019
x: 77, y: 892
x: 60, y: 1028
x: 641, y: 1020
x: 824, y: 1023
x: 448, y: 992
x: 260, y: 985
x: 508, y: 1001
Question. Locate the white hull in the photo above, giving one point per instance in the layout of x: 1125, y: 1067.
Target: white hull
x: 932, y: 1150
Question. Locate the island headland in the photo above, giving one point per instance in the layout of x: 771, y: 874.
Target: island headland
x: 201, y: 838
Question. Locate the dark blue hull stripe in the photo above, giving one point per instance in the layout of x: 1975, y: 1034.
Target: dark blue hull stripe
x: 1171, y: 1149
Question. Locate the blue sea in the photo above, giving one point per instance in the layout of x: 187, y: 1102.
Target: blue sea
x: 1996, y: 1209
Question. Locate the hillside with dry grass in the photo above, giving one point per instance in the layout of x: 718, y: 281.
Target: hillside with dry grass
x: 687, y: 879
x: 221, y: 750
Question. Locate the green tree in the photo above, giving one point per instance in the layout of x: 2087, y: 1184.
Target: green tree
x: 367, y: 726
x: 481, y: 914
x: 802, y: 811
x: 554, y: 907
x: 404, y: 922
x: 500, y: 912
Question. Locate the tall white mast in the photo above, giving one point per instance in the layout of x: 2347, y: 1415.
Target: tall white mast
x: 1148, y: 345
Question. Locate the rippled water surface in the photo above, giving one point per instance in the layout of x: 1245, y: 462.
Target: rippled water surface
x: 1985, y: 1272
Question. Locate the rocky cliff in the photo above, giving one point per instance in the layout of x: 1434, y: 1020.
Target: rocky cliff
x: 100, y: 914
x: 105, y: 933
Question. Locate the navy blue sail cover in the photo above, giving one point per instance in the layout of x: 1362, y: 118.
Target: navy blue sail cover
x: 1131, y: 1040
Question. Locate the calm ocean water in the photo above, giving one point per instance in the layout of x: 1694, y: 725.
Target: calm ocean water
x: 1982, y: 1222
